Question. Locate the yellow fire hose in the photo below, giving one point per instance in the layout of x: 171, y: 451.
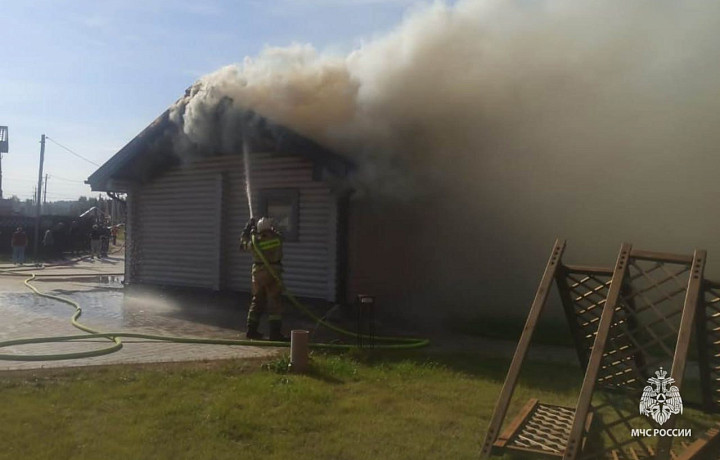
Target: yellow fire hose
x: 401, y: 342
x: 394, y: 343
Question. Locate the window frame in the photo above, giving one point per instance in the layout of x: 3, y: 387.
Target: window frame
x: 292, y: 196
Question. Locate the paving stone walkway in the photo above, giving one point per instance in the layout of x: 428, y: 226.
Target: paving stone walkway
x: 109, y: 306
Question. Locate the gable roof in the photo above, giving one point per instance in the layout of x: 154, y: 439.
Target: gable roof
x: 154, y: 150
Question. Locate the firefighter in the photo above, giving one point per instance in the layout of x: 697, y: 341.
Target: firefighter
x: 265, y: 288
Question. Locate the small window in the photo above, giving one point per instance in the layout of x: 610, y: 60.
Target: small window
x: 282, y: 207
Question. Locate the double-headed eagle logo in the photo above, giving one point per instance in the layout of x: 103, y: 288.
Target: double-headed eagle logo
x: 658, y: 401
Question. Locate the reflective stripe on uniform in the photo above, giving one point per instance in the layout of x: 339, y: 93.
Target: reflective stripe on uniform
x: 253, y: 318
x: 269, y: 244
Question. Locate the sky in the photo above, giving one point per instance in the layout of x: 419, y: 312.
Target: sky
x: 91, y: 75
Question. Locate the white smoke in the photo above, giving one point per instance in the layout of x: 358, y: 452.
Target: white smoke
x: 453, y: 81
x: 522, y: 120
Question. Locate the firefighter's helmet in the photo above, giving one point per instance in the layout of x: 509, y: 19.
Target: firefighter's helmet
x: 264, y: 225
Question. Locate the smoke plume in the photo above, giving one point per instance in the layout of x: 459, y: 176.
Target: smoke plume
x: 490, y: 127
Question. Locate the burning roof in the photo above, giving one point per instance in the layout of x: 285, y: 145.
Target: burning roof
x: 162, y: 144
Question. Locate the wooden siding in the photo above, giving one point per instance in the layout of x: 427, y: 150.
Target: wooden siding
x: 188, y: 222
x: 176, y: 230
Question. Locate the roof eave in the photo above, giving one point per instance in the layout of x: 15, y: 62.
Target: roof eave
x: 99, y: 180
x: 285, y: 140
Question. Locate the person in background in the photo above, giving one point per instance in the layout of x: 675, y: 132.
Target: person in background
x: 95, y: 235
x: 74, y: 238
x: 114, y: 233
x: 48, y: 243
x: 19, y: 242
x: 104, y: 241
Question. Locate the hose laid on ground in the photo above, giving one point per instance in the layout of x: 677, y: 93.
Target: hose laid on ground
x: 404, y: 342
x: 114, y: 337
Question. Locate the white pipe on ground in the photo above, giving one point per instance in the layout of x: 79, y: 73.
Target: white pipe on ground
x: 299, y: 346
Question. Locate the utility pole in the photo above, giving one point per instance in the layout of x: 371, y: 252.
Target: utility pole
x: 39, y: 191
x: 45, y: 192
x: 3, y: 149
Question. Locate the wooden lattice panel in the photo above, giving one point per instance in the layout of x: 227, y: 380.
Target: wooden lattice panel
x: 616, y: 415
x: 706, y: 447
x: 646, y: 323
x: 648, y: 313
x: 511, y: 379
x: 709, y: 345
x: 546, y: 430
x: 583, y: 291
x: 626, y: 322
x: 541, y: 429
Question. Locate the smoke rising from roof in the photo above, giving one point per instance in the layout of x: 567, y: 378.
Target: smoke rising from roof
x: 511, y: 122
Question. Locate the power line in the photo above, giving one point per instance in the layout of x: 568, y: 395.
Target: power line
x: 58, y: 183
x: 65, y: 195
x: 53, y: 176
x: 69, y: 150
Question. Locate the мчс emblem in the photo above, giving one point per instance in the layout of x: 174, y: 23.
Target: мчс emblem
x: 658, y: 401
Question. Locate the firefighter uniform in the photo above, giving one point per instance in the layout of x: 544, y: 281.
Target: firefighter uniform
x: 266, y: 289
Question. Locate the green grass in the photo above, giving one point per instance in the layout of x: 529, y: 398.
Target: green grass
x: 348, y: 407
x: 351, y: 406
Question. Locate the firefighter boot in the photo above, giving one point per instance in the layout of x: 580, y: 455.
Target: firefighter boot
x: 252, y: 332
x: 276, y: 331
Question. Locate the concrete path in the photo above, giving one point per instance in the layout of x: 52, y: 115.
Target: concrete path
x: 108, y: 306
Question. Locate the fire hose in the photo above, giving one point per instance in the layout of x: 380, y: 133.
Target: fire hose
x: 388, y: 343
